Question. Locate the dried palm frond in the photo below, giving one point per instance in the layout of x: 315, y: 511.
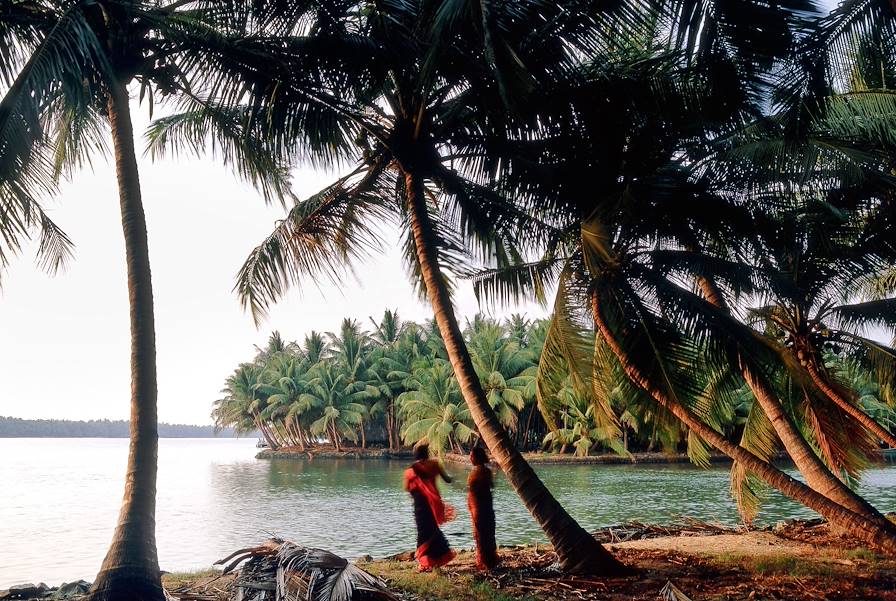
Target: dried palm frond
x: 280, y: 570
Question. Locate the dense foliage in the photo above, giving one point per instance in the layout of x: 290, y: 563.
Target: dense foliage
x: 390, y: 386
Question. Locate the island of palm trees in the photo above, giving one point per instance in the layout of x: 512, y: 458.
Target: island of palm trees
x: 701, y: 192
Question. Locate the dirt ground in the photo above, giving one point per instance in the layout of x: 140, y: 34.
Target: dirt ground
x: 796, y: 562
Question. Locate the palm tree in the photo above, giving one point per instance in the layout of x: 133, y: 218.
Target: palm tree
x: 434, y: 410
x: 74, y: 62
x: 390, y: 363
x: 577, y: 426
x: 339, y: 401
x: 603, y: 249
x: 244, y: 402
x: 505, y: 371
x: 285, y: 381
x: 416, y: 117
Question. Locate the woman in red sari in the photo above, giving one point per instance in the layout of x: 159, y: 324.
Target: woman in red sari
x: 429, y: 510
x: 479, y: 500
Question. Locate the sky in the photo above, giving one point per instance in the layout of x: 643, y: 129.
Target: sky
x: 64, y: 339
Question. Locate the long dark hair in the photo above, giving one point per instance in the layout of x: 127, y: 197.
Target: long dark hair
x: 478, y: 456
x: 421, y: 452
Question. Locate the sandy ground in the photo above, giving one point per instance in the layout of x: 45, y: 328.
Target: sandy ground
x: 754, y: 544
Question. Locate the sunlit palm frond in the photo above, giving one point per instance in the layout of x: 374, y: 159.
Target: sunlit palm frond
x: 320, y: 238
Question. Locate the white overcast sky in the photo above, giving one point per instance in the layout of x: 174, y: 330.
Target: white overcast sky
x: 64, y: 340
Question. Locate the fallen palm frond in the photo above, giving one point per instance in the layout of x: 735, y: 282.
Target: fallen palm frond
x: 635, y: 530
x: 670, y: 592
x: 279, y: 570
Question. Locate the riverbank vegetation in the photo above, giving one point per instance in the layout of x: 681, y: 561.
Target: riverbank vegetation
x: 389, y: 385
x: 705, y: 190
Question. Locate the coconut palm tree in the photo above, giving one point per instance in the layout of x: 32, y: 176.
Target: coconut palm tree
x: 339, y: 401
x: 416, y: 118
x: 505, y: 371
x: 71, y: 64
x: 433, y: 409
x: 285, y: 380
x: 576, y: 424
x: 610, y: 235
x: 390, y: 364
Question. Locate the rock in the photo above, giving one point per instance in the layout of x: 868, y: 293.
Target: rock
x: 27, y: 591
x: 71, y: 589
x: 365, y: 557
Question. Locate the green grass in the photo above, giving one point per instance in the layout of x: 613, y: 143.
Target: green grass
x: 780, y: 565
x: 438, y: 585
x: 862, y: 555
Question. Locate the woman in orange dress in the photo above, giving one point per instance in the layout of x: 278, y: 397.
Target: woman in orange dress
x: 429, y: 510
x: 482, y: 510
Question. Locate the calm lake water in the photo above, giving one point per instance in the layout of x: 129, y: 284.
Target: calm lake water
x: 59, y: 500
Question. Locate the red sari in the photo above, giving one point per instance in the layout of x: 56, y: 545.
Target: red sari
x: 430, y: 511
x: 482, y: 510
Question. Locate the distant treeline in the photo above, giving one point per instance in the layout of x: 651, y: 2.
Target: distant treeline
x: 13, y: 427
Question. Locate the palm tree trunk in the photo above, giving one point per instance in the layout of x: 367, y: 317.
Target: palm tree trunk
x: 130, y: 569
x: 857, y: 525
x: 389, y: 428
x: 363, y: 436
x: 262, y: 427
x: 823, y: 384
x: 528, y: 435
x: 390, y: 421
x: 335, y: 436
x: 817, y: 475
x: 577, y: 550
x: 300, y: 439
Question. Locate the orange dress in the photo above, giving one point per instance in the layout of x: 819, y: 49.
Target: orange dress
x: 430, y: 511
x: 482, y: 510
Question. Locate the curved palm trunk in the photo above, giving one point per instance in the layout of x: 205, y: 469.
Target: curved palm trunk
x: 265, y: 433
x: 130, y: 570
x: 841, y: 401
x: 300, y: 439
x: 577, y: 550
x: 817, y: 475
x: 280, y: 435
x: 857, y: 525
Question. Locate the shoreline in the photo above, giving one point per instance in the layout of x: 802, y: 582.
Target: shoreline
x: 531, y: 457
x: 534, y: 458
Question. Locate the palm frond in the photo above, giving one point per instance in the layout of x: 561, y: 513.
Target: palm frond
x: 320, y: 238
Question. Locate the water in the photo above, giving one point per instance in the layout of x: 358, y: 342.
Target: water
x: 59, y: 501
